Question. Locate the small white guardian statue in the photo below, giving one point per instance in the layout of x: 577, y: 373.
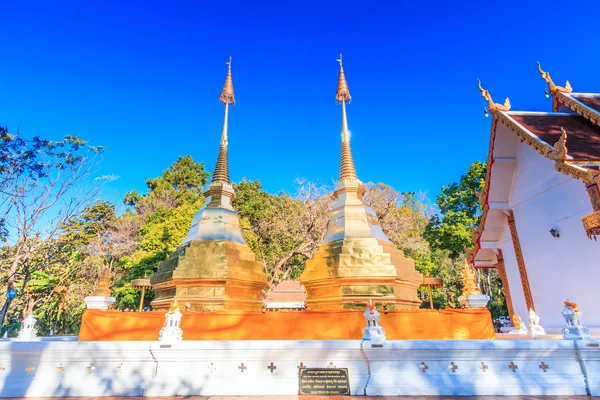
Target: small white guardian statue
x: 535, y: 329
x: 574, y: 330
x: 171, y: 332
x: 28, y: 330
x: 373, y: 331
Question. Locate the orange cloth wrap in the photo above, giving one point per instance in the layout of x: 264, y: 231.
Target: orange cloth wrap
x: 289, y: 325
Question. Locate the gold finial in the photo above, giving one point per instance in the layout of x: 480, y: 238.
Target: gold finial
x: 173, y: 306
x: 227, y: 96
x: 343, y: 93
x: 469, y: 285
x: 347, y: 170
x: 493, y: 107
x: 221, y: 173
x: 560, y: 147
x: 551, y: 86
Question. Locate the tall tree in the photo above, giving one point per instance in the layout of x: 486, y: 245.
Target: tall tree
x: 459, y: 212
x: 283, y: 230
x: 44, y: 184
x: 160, y: 220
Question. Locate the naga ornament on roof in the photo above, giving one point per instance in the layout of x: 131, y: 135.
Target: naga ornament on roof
x: 560, y: 147
x: 493, y: 107
x: 551, y: 86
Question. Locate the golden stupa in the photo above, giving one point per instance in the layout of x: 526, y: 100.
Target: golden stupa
x: 213, y: 269
x: 356, y: 261
x: 469, y: 282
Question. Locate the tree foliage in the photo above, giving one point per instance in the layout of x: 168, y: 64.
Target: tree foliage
x: 459, y: 212
x: 58, y: 264
x: 44, y: 185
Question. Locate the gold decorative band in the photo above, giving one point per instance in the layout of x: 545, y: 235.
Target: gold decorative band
x: 591, y: 223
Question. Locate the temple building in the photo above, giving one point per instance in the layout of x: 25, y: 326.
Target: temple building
x: 213, y: 269
x: 541, y: 205
x: 287, y: 295
x: 356, y: 261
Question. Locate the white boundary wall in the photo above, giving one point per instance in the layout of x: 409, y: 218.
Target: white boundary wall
x: 51, y: 368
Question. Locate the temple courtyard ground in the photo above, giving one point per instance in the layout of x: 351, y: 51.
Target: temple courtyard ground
x: 333, y: 398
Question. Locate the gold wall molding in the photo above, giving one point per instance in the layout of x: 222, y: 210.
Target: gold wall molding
x: 501, y: 268
x: 520, y: 261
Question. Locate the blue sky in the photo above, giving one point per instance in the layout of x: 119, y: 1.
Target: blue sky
x: 143, y: 78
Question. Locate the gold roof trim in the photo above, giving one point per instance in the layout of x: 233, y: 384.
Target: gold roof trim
x: 551, y: 86
x: 588, y: 113
x: 493, y: 107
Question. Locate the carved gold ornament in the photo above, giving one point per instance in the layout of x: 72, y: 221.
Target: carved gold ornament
x: 591, y: 223
x: 493, y: 107
x: 560, y: 147
x: 551, y: 86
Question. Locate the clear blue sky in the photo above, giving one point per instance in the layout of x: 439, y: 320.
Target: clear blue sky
x: 142, y: 78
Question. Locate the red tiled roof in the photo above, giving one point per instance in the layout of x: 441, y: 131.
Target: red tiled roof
x: 287, y: 292
x: 583, y: 138
x: 591, y: 102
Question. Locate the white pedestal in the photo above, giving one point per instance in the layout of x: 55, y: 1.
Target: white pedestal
x: 98, y: 302
x: 374, y: 333
x: 576, y: 333
x: 474, y: 300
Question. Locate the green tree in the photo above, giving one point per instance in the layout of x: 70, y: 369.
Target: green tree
x: 44, y: 184
x: 459, y: 212
x: 283, y: 230
x: 160, y: 220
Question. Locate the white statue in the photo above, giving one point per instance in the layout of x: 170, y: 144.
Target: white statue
x: 373, y: 331
x: 171, y: 332
x: 574, y: 330
x: 535, y: 329
x: 28, y: 330
x: 518, y: 323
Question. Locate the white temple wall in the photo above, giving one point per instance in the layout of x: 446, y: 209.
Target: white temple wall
x: 211, y: 368
x: 558, y: 268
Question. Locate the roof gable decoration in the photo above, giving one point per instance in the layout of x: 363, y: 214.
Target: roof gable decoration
x: 552, y: 88
x: 575, y: 104
x: 560, y: 151
x: 492, y: 107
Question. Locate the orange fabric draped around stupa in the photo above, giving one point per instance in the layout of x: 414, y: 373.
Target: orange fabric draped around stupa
x: 291, y: 325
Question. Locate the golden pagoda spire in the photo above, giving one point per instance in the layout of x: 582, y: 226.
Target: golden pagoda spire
x: 342, y: 95
x: 221, y: 173
x: 551, y: 86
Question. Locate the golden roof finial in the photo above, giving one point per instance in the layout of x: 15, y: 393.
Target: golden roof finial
x: 343, y: 93
x: 227, y: 96
x: 560, y: 147
x: 221, y: 173
x: 551, y: 86
x: 493, y: 107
